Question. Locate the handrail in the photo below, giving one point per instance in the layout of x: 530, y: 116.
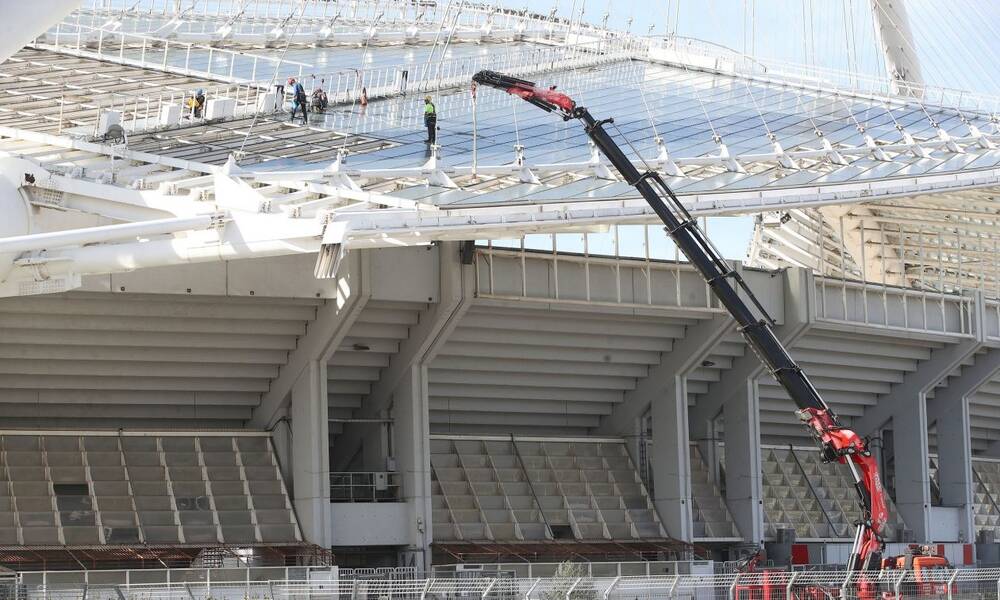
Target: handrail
x: 827, y: 583
x: 812, y: 490
x: 364, y: 481
x: 531, y: 487
x: 344, y: 85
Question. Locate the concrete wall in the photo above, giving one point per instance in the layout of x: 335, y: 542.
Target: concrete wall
x: 370, y: 524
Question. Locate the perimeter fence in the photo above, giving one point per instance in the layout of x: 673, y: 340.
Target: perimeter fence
x: 980, y: 584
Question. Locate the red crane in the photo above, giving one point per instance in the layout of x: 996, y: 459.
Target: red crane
x: 836, y: 442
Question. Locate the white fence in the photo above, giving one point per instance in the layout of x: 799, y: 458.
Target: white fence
x: 979, y: 584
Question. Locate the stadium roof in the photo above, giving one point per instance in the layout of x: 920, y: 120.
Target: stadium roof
x: 819, y: 151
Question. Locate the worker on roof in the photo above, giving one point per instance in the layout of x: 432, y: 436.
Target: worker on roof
x: 430, y: 120
x: 298, y: 99
x: 196, y: 103
x: 319, y: 98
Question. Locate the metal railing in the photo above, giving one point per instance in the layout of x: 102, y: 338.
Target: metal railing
x: 172, y: 56
x: 79, y: 107
x: 142, y: 112
x: 345, y: 85
x: 369, y: 486
x: 693, y: 52
x: 979, y: 584
x: 268, y: 12
x: 210, y: 576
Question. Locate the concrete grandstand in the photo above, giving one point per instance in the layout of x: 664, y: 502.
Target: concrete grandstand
x: 227, y: 337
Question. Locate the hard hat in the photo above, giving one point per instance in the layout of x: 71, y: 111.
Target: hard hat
x: 291, y: 80
x: 427, y: 98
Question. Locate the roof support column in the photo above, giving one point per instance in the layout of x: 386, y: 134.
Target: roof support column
x: 954, y: 446
x: 671, y: 460
x: 411, y: 418
x: 950, y: 410
x: 986, y: 367
x: 403, y: 388
x: 906, y: 406
x: 310, y: 461
x: 912, y: 475
x: 744, y: 488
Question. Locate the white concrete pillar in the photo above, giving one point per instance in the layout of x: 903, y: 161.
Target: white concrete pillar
x: 311, y: 453
x: 672, y: 460
x: 744, y: 491
x: 410, y: 412
x: 954, y: 471
x: 949, y: 409
x: 906, y: 406
x: 912, y: 475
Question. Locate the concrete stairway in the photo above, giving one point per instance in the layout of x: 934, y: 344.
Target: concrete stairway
x: 710, y: 513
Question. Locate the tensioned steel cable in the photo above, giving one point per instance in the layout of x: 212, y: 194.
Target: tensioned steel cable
x: 274, y: 75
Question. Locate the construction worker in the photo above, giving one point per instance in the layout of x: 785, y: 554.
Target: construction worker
x: 319, y: 97
x: 196, y: 103
x: 430, y: 120
x: 299, y: 99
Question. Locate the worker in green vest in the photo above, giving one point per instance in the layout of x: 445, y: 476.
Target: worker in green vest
x: 430, y: 120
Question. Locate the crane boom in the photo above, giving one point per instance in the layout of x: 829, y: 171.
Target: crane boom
x: 836, y: 443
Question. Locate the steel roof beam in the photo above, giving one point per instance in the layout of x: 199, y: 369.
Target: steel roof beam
x: 322, y: 338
